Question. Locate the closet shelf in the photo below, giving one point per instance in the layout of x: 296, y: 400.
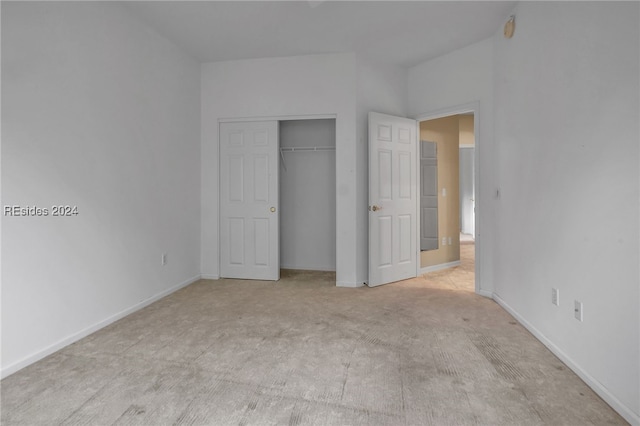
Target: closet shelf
x: 303, y: 149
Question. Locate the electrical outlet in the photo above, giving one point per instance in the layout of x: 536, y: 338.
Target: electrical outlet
x: 444, y: 241
x: 164, y: 259
x: 555, y: 296
x: 577, y: 311
x: 444, y: 192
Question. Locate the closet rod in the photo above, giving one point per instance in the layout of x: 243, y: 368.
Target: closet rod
x: 303, y: 148
x: 307, y: 148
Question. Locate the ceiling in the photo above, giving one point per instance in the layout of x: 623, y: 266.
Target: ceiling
x: 394, y: 32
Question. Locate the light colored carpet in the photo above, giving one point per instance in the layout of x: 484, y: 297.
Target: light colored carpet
x: 301, y: 351
x: 466, y: 239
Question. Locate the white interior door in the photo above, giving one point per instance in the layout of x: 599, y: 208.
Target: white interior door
x: 249, y: 200
x: 392, y: 198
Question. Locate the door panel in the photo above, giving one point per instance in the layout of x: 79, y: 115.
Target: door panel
x: 236, y: 177
x: 384, y: 173
x: 385, y: 244
x: 405, y: 236
x: 249, y: 192
x: 236, y: 240
x: 392, y: 198
x: 261, y: 178
x: 261, y: 241
x: 405, y: 169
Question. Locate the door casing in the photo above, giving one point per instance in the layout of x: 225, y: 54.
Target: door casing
x: 472, y: 107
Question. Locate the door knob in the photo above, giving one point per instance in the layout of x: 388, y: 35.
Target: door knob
x: 273, y: 209
x: 376, y: 208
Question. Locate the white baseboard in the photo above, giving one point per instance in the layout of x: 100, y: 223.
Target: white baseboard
x: 485, y: 293
x: 37, y: 356
x: 209, y: 277
x: 594, y: 384
x: 439, y: 267
x: 349, y: 284
x: 309, y: 268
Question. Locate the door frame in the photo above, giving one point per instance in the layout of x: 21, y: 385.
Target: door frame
x: 277, y: 118
x: 473, y: 107
x: 460, y: 149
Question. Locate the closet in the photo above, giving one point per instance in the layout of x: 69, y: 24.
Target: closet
x: 307, y: 190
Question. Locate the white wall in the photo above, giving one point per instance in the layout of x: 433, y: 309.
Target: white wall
x: 308, y: 196
x: 101, y: 113
x: 458, y: 78
x: 566, y: 123
x: 280, y: 87
x: 380, y: 88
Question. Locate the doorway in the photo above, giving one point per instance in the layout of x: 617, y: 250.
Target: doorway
x: 453, y: 134
x: 308, y: 195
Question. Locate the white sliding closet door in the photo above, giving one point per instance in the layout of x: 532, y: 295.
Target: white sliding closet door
x: 249, y: 200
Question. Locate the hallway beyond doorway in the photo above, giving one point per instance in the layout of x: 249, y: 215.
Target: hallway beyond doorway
x: 456, y: 278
